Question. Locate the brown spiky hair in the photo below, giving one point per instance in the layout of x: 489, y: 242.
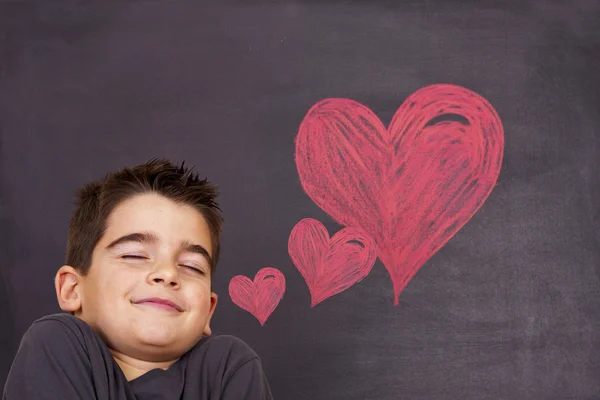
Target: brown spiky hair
x: 96, y: 201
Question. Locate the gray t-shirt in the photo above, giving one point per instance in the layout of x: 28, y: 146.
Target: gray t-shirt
x: 62, y: 357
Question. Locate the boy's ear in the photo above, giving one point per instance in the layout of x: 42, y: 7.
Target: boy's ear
x: 67, y: 283
x: 213, y: 304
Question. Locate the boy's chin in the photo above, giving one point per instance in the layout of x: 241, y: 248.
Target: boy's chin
x: 153, y: 339
x: 161, y: 338
x: 153, y: 350
x: 164, y: 338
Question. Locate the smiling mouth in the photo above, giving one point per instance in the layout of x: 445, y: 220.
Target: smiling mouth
x: 161, y: 304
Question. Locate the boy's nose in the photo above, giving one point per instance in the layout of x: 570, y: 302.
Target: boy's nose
x: 167, y: 275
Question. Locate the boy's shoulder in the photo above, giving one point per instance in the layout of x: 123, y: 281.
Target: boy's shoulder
x: 226, y: 342
x: 57, y: 358
x: 62, y: 319
x: 58, y: 328
x: 228, y: 365
x: 222, y: 349
x: 63, y: 336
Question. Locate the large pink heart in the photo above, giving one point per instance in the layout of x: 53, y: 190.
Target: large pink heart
x: 261, y: 296
x: 330, y: 266
x: 411, y: 186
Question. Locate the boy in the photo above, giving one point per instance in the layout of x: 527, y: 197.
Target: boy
x: 142, y: 247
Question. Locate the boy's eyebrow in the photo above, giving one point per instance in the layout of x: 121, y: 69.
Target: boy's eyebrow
x: 148, y: 237
x: 140, y: 237
x: 196, y: 248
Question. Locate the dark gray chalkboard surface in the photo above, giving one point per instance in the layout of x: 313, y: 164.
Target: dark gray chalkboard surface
x: 505, y: 307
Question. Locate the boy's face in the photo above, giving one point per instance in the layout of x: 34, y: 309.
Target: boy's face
x: 148, y: 291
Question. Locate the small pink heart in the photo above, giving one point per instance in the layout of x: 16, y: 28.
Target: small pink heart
x: 330, y: 266
x: 261, y: 297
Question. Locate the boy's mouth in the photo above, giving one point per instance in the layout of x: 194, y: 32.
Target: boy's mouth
x: 161, y: 303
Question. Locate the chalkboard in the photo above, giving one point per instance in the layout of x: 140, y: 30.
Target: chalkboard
x: 420, y: 179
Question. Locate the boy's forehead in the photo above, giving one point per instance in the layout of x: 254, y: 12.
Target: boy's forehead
x: 167, y: 219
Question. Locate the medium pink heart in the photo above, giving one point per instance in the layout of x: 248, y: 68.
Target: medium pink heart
x: 330, y: 266
x: 261, y: 296
x: 411, y: 186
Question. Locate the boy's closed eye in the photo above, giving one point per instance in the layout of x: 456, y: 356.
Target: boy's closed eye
x: 195, y: 269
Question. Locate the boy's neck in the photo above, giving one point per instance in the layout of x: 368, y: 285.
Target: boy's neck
x: 133, y: 368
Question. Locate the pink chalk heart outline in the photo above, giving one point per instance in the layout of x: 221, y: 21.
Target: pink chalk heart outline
x: 261, y: 296
x: 411, y: 186
x: 330, y: 266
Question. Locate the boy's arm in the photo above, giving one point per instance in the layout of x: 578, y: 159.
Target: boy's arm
x: 248, y: 382
x: 51, y: 363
